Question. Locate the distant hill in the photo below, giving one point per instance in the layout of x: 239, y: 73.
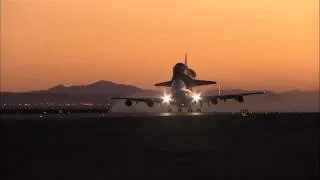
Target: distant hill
x: 97, y: 92
x: 97, y: 88
x: 100, y: 92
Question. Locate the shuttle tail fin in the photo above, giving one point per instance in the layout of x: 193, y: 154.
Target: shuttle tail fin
x: 186, y: 59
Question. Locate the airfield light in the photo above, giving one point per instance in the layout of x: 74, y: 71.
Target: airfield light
x: 196, y: 97
x: 166, y: 98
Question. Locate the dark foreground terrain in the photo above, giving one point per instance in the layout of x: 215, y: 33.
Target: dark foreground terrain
x: 222, y: 146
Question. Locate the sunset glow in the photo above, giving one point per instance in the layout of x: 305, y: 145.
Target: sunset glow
x: 247, y: 44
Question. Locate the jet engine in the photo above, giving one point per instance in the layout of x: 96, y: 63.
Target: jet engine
x: 214, y: 101
x: 150, y: 103
x: 239, y: 99
x: 128, y: 102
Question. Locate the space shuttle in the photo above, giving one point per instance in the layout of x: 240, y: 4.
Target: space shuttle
x: 181, y: 71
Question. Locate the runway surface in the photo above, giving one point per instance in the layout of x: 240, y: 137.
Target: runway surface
x: 163, y: 146
x: 110, y: 115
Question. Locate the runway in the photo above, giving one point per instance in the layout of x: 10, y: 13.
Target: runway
x: 108, y: 115
x: 163, y: 146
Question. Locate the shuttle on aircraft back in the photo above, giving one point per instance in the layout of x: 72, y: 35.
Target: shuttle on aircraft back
x: 181, y: 96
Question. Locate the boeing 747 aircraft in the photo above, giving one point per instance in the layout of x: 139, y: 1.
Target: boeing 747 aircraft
x: 181, y: 95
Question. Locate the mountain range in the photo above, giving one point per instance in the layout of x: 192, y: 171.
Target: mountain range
x: 99, y: 93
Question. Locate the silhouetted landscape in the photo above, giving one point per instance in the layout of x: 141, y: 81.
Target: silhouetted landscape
x: 99, y: 93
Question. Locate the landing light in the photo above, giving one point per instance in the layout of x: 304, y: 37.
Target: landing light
x: 196, y: 97
x: 166, y: 99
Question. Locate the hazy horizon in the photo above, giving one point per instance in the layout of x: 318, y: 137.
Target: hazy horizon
x: 252, y: 45
x: 160, y: 89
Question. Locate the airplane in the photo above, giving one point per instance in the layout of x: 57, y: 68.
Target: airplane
x: 182, y: 96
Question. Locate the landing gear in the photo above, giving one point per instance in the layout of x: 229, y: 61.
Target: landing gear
x: 179, y: 110
x: 198, y: 110
x: 244, y: 112
x: 190, y: 110
x: 169, y: 110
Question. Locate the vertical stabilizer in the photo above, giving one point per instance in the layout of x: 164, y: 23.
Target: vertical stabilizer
x: 186, y: 59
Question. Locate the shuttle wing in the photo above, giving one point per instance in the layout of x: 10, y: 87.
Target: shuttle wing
x: 190, y: 82
x: 166, y: 84
x: 195, y: 82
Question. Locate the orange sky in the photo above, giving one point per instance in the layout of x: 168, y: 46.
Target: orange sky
x: 247, y: 44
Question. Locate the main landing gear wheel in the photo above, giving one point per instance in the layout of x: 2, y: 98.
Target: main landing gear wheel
x: 190, y: 110
x: 169, y: 110
x: 198, y: 110
x: 179, y: 110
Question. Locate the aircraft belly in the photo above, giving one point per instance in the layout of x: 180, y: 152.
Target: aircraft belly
x: 182, y: 101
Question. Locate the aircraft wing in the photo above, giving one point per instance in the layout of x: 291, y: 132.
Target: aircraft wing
x: 232, y: 96
x: 146, y: 100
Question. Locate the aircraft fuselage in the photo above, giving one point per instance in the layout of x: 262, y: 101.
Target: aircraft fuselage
x: 181, y: 95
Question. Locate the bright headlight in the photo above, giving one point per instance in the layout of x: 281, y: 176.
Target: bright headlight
x: 196, y: 97
x: 166, y: 99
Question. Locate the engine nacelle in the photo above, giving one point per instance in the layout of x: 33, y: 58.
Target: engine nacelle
x: 240, y: 99
x: 150, y: 103
x: 214, y: 101
x: 128, y: 102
